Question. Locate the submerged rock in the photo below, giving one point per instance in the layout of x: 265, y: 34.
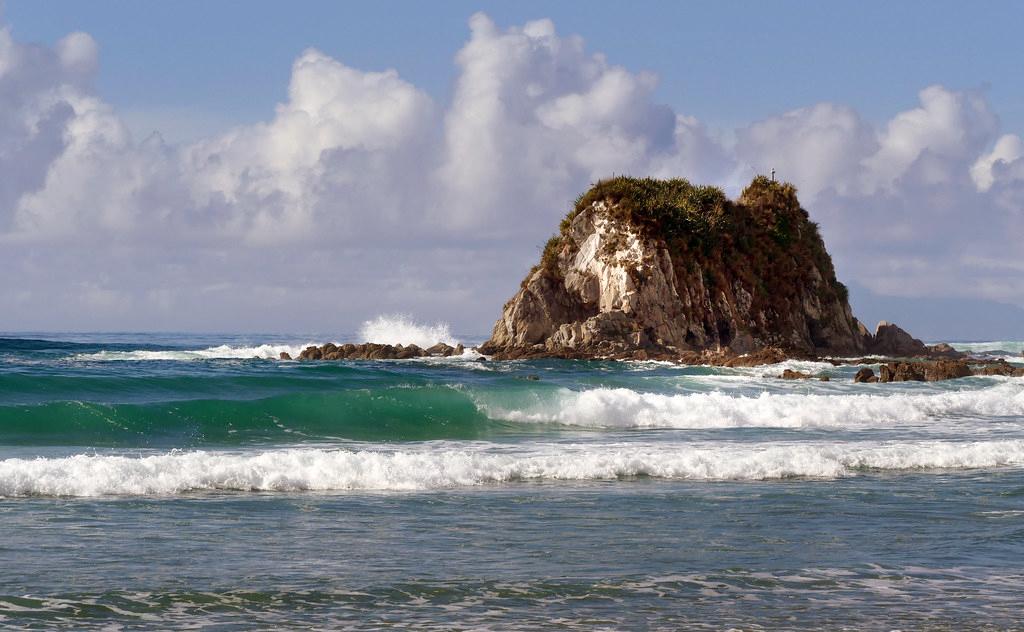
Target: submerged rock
x: 790, y: 374
x: 1002, y: 368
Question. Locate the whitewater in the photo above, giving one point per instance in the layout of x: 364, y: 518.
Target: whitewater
x: 451, y: 490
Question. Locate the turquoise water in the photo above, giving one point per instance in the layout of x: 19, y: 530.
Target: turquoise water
x: 170, y: 481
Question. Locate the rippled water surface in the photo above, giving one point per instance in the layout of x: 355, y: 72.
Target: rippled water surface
x: 167, y: 482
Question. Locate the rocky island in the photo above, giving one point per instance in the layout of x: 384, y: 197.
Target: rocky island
x: 643, y: 269
x: 664, y: 269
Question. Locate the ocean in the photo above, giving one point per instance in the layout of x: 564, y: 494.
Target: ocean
x: 180, y: 481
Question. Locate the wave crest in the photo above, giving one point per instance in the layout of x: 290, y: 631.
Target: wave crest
x: 625, y: 408
x: 340, y: 470
x: 393, y: 329
x: 220, y: 352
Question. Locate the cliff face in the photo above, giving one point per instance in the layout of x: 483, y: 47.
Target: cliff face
x: 663, y: 267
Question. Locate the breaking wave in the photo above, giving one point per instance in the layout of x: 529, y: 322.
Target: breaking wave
x: 624, y: 408
x: 291, y: 470
x: 220, y: 352
x: 1012, y: 350
x: 396, y: 329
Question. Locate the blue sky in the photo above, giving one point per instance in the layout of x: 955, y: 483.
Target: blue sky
x: 726, y: 63
x: 319, y: 163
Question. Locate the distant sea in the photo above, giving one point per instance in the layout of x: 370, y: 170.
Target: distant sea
x: 183, y: 481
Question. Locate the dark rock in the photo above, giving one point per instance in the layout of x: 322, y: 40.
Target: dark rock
x: 440, y: 350
x: 924, y: 371
x: 533, y: 378
x: 945, y: 351
x: 865, y: 376
x: 891, y: 340
x: 1002, y: 368
x: 768, y: 355
x: 367, y: 351
x: 382, y: 352
x: 311, y: 353
x: 790, y: 374
x: 824, y: 378
x: 411, y: 351
x: 284, y: 356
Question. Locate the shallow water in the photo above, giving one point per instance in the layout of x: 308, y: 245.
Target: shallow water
x: 165, y: 482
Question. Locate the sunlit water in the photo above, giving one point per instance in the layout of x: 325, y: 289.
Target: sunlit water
x: 171, y: 481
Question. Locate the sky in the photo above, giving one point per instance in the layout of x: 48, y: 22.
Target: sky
x: 303, y: 167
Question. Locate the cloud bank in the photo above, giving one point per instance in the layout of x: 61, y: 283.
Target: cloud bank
x: 360, y: 194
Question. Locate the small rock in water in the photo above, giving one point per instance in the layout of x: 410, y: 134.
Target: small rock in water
x: 865, y: 376
x: 790, y: 374
x: 533, y: 378
x: 284, y: 356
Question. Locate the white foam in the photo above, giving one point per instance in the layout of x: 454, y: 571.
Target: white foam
x: 225, y: 352
x: 624, y: 408
x: 393, y: 329
x: 811, y: 367
x: 1011, y: 350
x: 480, y: 464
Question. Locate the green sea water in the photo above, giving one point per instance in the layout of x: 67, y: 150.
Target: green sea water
x: 174, y: 481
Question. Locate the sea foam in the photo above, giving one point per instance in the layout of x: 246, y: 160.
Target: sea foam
x: 625, y: 408
x: 290, y: 470
x: 396, y: 329
x: 220, y: 352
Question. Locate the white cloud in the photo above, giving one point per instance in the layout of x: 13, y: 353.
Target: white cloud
x: 268, y: 181
x: 359, y: 194
x: 950, y: 127
x: 1005, y: 158
x: 535, y: 118
x: 78, y: 53
x: 818, y: 147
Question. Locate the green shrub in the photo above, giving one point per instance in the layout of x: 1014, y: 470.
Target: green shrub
x: 550, y: 252
x: 671, y: 208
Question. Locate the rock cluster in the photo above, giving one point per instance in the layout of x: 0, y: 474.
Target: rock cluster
x: 373, y: 351
x: 933, y: 371
x: 923, y: 371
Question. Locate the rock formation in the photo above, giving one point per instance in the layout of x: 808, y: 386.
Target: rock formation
x: 933, y: 371
x: 373, y: 351
x: 645, y: 268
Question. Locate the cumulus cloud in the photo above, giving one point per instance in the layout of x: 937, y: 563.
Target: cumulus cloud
x: 535, y: 117
x: 334, y: 151
x: 819, y: 147
x: 360, y: 194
